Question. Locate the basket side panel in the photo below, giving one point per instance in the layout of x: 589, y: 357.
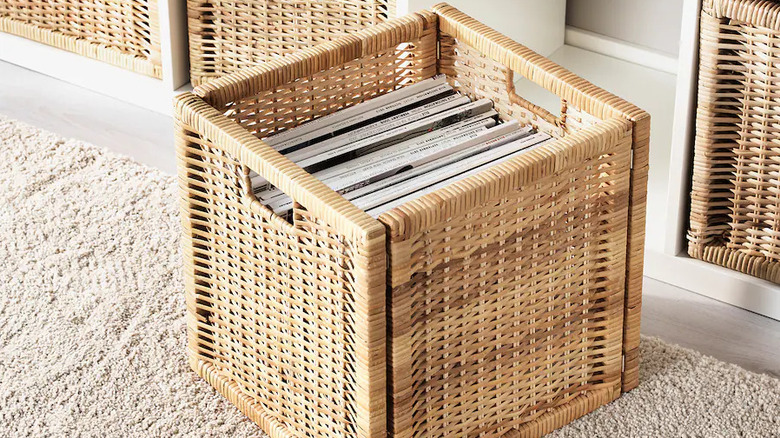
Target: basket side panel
x: 717, y: 119
x: 512, y: 310
x: 734, y: 190
x: 582, y: 105
x: 125, y: 34
x: 281, y: 317
x: 282, y: 107
x: 228, y: 35
x: 341, y: 277
x: 480, y: 75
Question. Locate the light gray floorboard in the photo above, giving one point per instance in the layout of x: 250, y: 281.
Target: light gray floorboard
x: 75, y: 112
x: 673, y: 314
x: 714, y: 328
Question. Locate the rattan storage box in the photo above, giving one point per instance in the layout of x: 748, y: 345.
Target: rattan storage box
x: 505, y: 304
x: 227, y: 35
x: 125, y: 34
x: 734, y: 200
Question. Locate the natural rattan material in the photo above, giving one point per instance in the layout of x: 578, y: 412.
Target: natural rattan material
x: 122, y: 33
x: 734, y: 201
x: 507, y: 303
x: 228, y: 35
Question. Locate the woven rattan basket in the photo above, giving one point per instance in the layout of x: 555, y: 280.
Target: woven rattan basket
x: 736, y: 172
x: 125, y: 34
x: 505, y: 304
x: 228, y: 35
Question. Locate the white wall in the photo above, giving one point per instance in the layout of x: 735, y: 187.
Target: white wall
x: 538, y: 24
x: 654, y: 24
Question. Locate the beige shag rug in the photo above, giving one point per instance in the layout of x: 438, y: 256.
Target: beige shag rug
x: 92, y: 330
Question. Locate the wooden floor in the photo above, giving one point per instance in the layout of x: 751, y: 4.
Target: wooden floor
x: 675, y: 315
x: 74, y: 112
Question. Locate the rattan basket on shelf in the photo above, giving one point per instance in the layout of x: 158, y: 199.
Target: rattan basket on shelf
x: 505, y: 304
x: 228, y: 35
x: 736, y: 172
x: 125, y: 34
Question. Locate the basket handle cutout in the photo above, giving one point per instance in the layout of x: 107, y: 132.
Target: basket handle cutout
x: 558, y: 120
x: 249, y: 199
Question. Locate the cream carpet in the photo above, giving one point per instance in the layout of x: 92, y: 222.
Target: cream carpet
x: 92, y: 330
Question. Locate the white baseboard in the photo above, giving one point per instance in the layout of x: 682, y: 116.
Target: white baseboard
x: 104, y: 78
x: 620, y: 49
x: 716, y: 282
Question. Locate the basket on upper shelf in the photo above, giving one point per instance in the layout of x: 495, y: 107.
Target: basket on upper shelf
x: 735, y: 199
x: 228, y: 35
x: 504, y: 304
x: 125, y: 34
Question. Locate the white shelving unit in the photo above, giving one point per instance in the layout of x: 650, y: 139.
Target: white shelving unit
x: 648, y: 81
x: 540, y: 25
x: 151, y: 93
x: 671, y: 263
x: 544, y: 33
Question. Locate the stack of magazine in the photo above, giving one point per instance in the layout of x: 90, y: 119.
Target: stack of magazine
x: 399, y: 146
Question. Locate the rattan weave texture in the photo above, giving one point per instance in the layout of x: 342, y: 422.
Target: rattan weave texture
x: 122, y: 33
x: 505, y: 304
x: 228, y: 35
x: 734, y: 199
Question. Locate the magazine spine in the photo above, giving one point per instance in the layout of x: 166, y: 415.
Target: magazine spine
x: 356, y: 109
x: 396, y: 135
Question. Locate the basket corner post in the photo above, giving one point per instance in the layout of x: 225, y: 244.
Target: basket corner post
x: 635, y: 250
x: 373, y: 329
